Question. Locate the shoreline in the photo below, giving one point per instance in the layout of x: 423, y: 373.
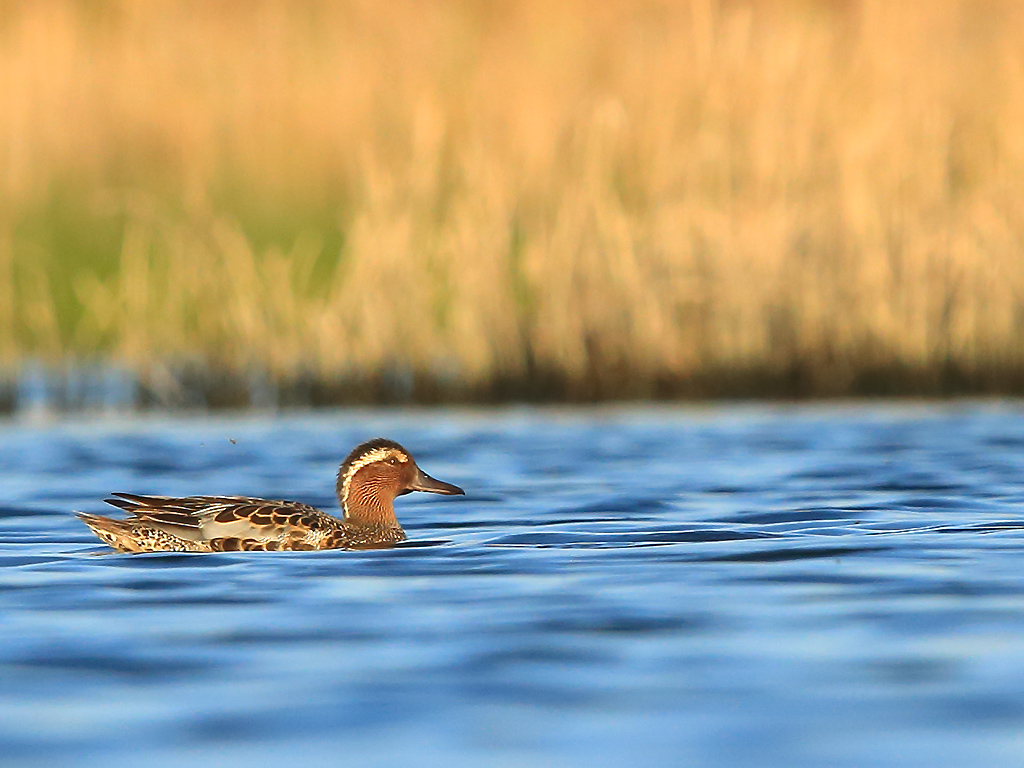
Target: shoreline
x: 98, y: 387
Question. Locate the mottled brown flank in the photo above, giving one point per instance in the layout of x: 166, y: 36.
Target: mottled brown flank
x: 367, y: 486
x: 286, y: 526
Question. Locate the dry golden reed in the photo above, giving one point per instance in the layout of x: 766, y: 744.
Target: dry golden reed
x: 615, y: 198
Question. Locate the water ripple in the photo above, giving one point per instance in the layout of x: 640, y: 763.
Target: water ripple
x: 782, y: 586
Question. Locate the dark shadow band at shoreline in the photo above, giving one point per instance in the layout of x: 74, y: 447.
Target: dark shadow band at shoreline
x: 78, y: 387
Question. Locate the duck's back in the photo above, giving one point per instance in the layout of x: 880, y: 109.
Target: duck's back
x: 216, y: 524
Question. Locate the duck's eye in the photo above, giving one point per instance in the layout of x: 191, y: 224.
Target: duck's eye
x: 392, y: 461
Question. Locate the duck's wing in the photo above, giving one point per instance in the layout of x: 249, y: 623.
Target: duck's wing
x: 231, y: 520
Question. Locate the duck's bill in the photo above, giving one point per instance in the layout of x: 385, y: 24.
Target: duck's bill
x: 425, y: 482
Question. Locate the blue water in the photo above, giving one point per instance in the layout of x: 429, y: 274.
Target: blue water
x: 734, y: 586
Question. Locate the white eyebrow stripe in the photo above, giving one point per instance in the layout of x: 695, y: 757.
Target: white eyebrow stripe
x: 377, y: 454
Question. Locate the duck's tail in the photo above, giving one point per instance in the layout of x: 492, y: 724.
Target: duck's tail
x: 119, y: 534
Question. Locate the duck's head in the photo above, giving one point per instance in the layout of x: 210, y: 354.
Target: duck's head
x: 374, y: 474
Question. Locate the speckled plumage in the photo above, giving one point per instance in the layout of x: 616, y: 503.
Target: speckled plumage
x: 368, y: 482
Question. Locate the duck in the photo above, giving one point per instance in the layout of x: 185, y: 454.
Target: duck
x: 369, y: 480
